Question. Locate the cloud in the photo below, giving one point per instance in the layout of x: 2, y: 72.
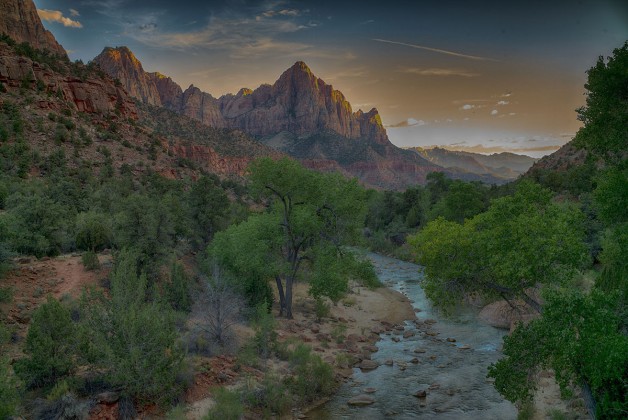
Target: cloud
x: 74, y: 13
x: 494, y: 112
x: 438, y: 72
x: 436, y: 50
x: 348, y: 73
x: 57, y: 16
x: 283, y: 12
x: 467, y: 107
x: 241, y: 36
x: 506, y: 95
x: 503, y: 103
x: 410, y: 122
x: 366, y: 22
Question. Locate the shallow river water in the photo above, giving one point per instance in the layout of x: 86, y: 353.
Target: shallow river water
x: 452, y: 373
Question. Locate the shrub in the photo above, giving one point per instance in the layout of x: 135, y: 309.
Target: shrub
x: 227, y: 406
x: 265, y: 338
x: 8, y: 390
x: 321, y: 308
x: 178, y: 289
x: 90, y: 260
x: 49, y: 346
x: 270, y: 396
x: 313, y: 377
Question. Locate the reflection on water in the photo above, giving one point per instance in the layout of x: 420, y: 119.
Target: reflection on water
x: 453, y: 373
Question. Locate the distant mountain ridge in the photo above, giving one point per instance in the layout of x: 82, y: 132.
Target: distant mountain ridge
x: 497, y: 168
x: 299, y: 114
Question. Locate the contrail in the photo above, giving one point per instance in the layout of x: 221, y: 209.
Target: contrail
x: 420, y: 47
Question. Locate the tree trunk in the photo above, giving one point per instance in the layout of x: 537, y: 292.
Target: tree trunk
x: 289, y: 282
x: 282, y: 297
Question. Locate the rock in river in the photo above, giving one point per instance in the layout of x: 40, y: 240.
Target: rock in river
x: 361, y: 400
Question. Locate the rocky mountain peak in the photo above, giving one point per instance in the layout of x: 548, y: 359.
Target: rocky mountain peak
x: 121, y: 63
x: 20, y: 21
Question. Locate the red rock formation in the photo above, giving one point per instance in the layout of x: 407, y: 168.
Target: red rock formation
x: 90, y: 95
x: 19, y: 20
x: 202, y: 107
x: 206, y: 157
x: 120, y: 63
x: 170, y: 93
x: 299, y: 103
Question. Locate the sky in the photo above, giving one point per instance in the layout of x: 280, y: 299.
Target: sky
x: 483, y: 76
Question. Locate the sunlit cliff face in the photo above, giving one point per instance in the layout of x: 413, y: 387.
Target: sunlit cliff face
x: 486, y: 78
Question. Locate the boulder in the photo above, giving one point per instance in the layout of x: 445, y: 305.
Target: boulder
x: 361, y: 400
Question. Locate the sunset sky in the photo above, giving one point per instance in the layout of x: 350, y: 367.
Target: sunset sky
x: 484, y: 76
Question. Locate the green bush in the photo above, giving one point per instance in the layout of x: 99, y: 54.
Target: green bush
x: 90, y: 260
x: 9, y: 396
x: 313, y: 378
x: 49, y: 346
x: 227, y: 406
x: 178, y: 289
x: 271, y: 396
x: 321, y: 308
x: 265, y: 339
x: 93, y: 231
x: 133, y: 341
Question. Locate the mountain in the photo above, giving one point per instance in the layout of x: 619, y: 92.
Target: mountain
x: 299, y: 115
x: 302, y: 104
x: 129, y: 71
x: 64, y: 109
x: 496, y: 168
x: 20, y: 21
x: 568, y: 156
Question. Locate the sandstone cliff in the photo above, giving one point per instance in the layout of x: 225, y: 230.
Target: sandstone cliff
x: 90, y: 94
x: 299, y: 103
x: 120, y: 63
x: 299, y: 115
x: 19, y: 20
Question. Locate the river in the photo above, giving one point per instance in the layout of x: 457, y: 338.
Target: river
x: 453, y: 374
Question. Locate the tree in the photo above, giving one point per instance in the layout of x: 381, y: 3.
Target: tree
x: 208, y: 205
x: 521, y: 242
x: 220, y: 305
x: 580, y: 338
x: 133, y: 341
x: 605, y: 119
x: 49, y: 346
x: 306, y: 212
x: 461, y: 201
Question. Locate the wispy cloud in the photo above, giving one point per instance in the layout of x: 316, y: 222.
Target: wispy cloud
x: 74, y: 13
x: 366, y: 22
x: 347, y: 74
x: 436, y: 50
x: 57, y: 16
x: 438, y: 72
x: 503, y: 103
x: 410, y: 122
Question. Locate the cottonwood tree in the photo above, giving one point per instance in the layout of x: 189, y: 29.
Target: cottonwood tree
x: 521, y: 242
x: 306, y: 213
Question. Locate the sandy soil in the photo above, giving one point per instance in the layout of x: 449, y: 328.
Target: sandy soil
x: 344, y: 337
x: 33, y: 280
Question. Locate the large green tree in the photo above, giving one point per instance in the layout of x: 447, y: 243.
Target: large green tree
x: 522, y: 241
x: 308, y: 215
